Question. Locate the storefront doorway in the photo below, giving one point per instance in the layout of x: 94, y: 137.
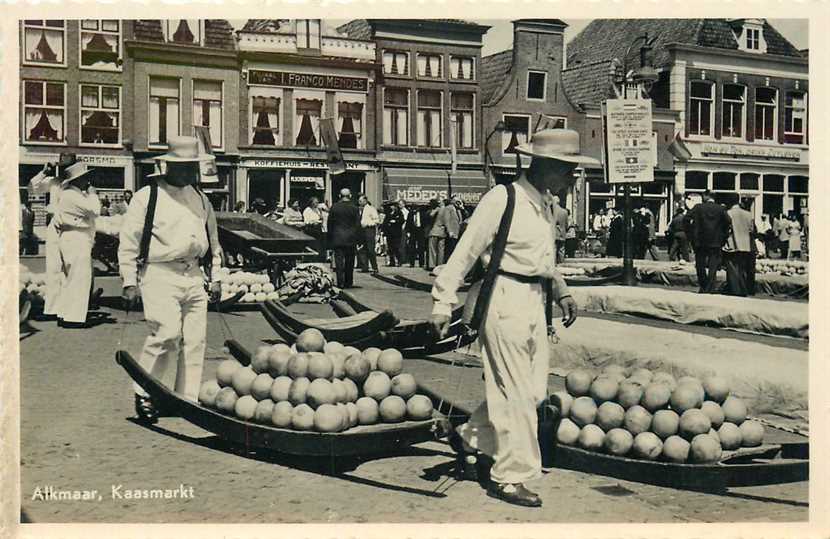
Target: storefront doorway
x: 265, y: 184
x: 353, y: 181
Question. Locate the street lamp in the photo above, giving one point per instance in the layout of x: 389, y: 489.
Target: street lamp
x: 500, y: 127
x: 636, y: 82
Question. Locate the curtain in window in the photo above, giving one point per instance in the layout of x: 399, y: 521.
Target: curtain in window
x: 265, y: 119
x: 306, y: 110
x: 400, y: 63
x: 467, y: 68
x: 99, y: 48
x: 89, y: 96
x: 183, y: 33
x: 454, y: 67
x: 350, y: 116
x: 109, y: 97
x: 388, y: 62
x: 422, y: 65
x: 44, y: 125
x: 466, y: 126
x: 44, y: 46
x: 435, y: 66
x: 99, y: 127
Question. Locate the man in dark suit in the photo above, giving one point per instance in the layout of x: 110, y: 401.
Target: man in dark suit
x: 707, y: 227
x: 416, y: 237
x: 343, y: 234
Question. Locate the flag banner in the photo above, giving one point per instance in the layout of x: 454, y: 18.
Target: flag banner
x: 334, y: 157
x: 207, y: 169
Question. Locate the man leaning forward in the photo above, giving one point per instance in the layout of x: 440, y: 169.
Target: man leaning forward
x: 514, y: 332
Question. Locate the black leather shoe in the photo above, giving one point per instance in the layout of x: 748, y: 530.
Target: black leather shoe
x: 145, y: 411
x: 72, y: 325
x: 514, y: 493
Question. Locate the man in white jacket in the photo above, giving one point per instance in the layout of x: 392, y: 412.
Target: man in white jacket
x: 171, y: 279
x: 76, y: 212
x: 514, y: 334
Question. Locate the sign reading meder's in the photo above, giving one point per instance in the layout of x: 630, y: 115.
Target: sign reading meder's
x: 308, y: 80
x: 629, y: 145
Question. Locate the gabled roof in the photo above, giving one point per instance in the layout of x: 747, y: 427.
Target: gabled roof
x: 604, y: 39
x: 588, y: 83
x: 218, y: 32
x: 494, y: 69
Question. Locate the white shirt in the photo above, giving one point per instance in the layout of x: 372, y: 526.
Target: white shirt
x: 370, y: 216
x: 527, y: 252
x: 311, y: 216
x: 178, y: 229
x: 42, y: 184
x: 78, y: 209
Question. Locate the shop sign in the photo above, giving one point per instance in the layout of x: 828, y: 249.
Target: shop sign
x: 420, y: 194
x: 740, y: 150
x: 308, y: 80
x: 299, y: 163
x: 628, y: 141
x: 317, y: 181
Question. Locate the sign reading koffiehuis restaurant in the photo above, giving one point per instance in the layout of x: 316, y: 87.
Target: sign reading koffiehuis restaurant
x: 308, y: 80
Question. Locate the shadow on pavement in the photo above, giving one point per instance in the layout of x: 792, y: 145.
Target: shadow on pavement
x: 336, y: 467
x: 765, y: 499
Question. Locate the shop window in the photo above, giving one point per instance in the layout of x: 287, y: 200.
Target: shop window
x: 536, y: 85
x: 462, y: 68
x: 723, y: 181
x: 308, y: 34
x: 795, y: 113
x: 44, y: 104
x: 101, y: 44
x: 698, y: 181
x: 429, y: 118
x: 44, y: 42
x: 461, y: 105
x: 395, y: 63
x: 654, y: 188
x: 734, y: 97
x: 308, y: 109
x: 516, y: 132
x: 108, y: 177
x: 207, y: 108
x: 350, y: 122
x: 601, y: 187
x: 429, y: 65
x: 797, y: 184
x: 765, y: 107
x: 750, y: 182
x: 265, y: 116
x: 184, y: 31
x: 701, y: 110
x: 774, y: 183
x: 396, y: 117
x: 100, y: 114
x: 164, y: 109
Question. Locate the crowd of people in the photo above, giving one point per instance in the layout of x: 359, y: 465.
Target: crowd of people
x: 422, y: 236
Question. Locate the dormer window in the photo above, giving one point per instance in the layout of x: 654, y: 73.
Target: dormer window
x: 185, y: 31
x: 753, y: 39
x: 749, y: 33
x: 308, y: 34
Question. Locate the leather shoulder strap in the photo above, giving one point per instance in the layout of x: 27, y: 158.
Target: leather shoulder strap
x: 147, y: 232
x: 499, y: 245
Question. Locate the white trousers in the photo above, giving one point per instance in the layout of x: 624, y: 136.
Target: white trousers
x: 76, y: 261
x: 516, y: 356
x: 54, y: 270
x: 175, y: 307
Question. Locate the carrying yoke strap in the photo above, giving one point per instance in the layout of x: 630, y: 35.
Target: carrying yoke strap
x: 147, y: 232
x: 499, y: 246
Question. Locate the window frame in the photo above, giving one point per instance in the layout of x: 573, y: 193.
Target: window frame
x: 743, y: 103
x: 408, y: 130
x: 280, y: 116
x: 306, y: 94
x: 100, y: 107
x: 25, y: 61
x: 473, y: 68
x: 507, y: 132
x: 408, y: 54
x: 440, y: 110
x: 803, y: 131
x: 712, y: 100
x: 472, y: 112
x: 307, y: 34
x: 753, y: 37
x: 24, y: 106
x: 775, y: 99
x: 544, y: 97
x: 220, y: 147
x: 355, y: 97
x: 200, y: 42
x: 161, y: 145
x: 441, y: 67
x: 119, y: 65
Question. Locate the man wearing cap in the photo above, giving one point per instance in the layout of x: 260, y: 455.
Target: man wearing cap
x: 48, y: 181
x: 171, y: 280
x: 76, y: 212
x: 343, y: 235
x: 514, y: 332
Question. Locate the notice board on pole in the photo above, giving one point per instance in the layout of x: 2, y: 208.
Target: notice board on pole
x: 628, y: 144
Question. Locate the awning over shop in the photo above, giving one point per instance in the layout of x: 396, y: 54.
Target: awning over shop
x: 418, y: 186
